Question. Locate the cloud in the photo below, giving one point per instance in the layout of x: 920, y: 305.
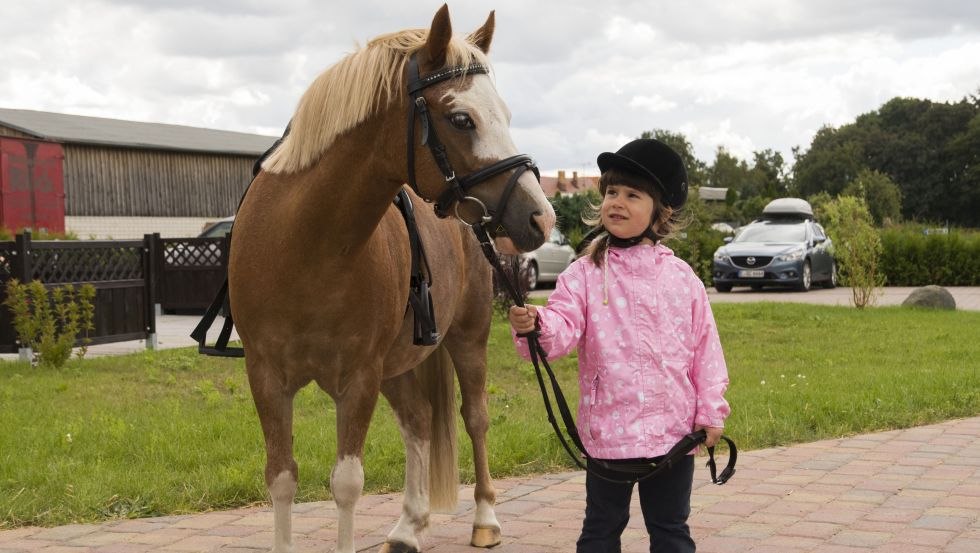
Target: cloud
x: 579, y: 77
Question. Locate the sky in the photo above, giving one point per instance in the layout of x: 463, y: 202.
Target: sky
x: 579, y: 76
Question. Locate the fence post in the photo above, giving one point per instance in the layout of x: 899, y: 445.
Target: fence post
x: 23, y: 270
x: 149, y: 289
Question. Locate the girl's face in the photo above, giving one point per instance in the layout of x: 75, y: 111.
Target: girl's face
x: 626, y: 212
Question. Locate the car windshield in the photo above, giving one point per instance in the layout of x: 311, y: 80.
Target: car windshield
x: 767, y: 231
x: 217, y: 230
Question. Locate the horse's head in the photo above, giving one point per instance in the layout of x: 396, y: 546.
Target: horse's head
x: 460, y: 153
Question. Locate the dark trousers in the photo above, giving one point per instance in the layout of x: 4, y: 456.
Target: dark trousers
x: 665, y: 500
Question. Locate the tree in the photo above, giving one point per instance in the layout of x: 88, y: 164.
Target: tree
x: 929, y: 150
x: 880, y: 194
x: 728, y: 171
x: 569, y: 211
x: 696, y: 168
x: 768, y: 174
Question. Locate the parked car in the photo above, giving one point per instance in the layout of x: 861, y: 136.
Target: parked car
x: 784, y: 247
x: 218, y: 229
x: 547, y: 262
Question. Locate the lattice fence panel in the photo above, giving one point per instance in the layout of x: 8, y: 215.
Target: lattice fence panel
x: 192, y: 252
x: 6, y: 256
x: 89, y: 264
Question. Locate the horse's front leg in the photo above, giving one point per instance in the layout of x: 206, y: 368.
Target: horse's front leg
x: 274, y: 404
x: 354, y: 408
x: 414, y: 414
x: 470, y: 361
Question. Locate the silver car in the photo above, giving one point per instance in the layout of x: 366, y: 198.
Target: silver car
x: 785, y: 247
x: 547, y: 262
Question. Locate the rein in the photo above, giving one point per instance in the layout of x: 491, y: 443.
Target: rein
x: 637, y: 471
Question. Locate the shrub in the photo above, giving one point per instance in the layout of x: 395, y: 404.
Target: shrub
x: 51, y: 323
x: 912, y: 258
x: 857, y: 247
x: 697, y: 241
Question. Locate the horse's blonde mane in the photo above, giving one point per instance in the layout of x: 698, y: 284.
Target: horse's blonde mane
x: 352, y: 90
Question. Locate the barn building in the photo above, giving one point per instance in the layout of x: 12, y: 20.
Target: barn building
x: 122, y: 179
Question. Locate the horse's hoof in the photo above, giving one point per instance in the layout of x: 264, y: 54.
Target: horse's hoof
x: 485, y: 536
x: 397, y: 547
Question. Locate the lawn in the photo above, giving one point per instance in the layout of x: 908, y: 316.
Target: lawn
x: 174, y: 432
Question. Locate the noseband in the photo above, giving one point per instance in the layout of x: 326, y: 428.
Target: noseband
x: 457, y: 189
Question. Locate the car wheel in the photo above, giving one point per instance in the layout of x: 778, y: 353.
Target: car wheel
x: 723, y: 288
x: 832, y: 281
x: 532, y: 276
x: 806, y: 278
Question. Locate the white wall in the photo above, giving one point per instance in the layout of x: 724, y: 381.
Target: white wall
x: 125, y: 228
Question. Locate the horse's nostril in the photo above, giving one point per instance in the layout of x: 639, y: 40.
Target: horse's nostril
x: 544, y: 222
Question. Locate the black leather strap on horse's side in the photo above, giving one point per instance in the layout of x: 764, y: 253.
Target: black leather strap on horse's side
x: 200, y: 332
x: 424, y: 332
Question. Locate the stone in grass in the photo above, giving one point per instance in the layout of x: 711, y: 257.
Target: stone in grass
x: 932, y: 297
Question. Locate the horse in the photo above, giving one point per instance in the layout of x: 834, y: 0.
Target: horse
x: 320, y: 262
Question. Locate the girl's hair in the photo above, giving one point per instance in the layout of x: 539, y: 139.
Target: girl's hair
x: 664, y: 222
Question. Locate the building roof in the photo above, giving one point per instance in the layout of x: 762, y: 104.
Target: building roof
x: 80, y: 129
x: 574, y: 185
x: 708, y: 193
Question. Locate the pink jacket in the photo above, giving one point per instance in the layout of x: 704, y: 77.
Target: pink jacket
x: 650, y: 361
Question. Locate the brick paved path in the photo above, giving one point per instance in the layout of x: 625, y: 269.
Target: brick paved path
x: 903, y: 491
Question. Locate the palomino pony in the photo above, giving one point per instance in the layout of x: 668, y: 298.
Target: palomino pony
x: 320, y: 267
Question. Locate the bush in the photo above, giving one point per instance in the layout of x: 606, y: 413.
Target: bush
x: 697, y: 241
x: 857, y: 247
x: 50, y: 324
x: 912, y: 258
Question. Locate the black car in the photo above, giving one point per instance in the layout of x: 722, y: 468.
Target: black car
x: 785, y: 247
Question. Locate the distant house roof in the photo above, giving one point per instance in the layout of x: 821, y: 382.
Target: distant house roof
x: 565, y: 185
x: 708, y: 193
x: 79, y: 129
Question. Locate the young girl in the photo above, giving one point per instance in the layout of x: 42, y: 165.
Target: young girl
x: 651, y: 367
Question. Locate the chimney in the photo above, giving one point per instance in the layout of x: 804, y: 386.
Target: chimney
x: 574, y: 179
x: 561, y: 176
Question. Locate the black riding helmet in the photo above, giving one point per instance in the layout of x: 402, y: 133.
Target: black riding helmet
x: 652, y: 160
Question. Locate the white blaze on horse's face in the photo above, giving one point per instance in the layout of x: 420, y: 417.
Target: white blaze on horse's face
x: 492, y: 142
x: 490, y: 116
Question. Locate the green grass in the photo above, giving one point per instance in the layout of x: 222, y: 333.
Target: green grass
x: 174, y: 432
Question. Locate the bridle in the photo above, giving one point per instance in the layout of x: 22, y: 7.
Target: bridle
x: 457, y: 188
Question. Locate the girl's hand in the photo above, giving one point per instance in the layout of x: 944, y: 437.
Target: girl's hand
x: 522, y: 318
x: 714, y: 434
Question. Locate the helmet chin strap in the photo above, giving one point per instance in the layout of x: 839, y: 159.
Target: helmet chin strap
x: 618, y: 242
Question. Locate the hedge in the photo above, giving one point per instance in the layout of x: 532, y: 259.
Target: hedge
x: 912, y: 258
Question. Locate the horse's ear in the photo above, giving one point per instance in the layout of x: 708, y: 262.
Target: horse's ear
x: 482, y: 36
x: 438, y: 40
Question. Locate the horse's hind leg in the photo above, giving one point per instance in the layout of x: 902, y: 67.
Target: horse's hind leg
x: 412, y: 409
x: 274, y: 404
x: 470, y: 360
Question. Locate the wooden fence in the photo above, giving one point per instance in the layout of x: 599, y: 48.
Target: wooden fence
x: 188, y: 272
x: 130, y: 277
x: 118, y: 269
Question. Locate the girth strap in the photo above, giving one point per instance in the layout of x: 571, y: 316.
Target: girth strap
x: 424, y: 331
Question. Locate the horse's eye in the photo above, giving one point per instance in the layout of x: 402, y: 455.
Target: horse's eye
x: 461, y: 121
